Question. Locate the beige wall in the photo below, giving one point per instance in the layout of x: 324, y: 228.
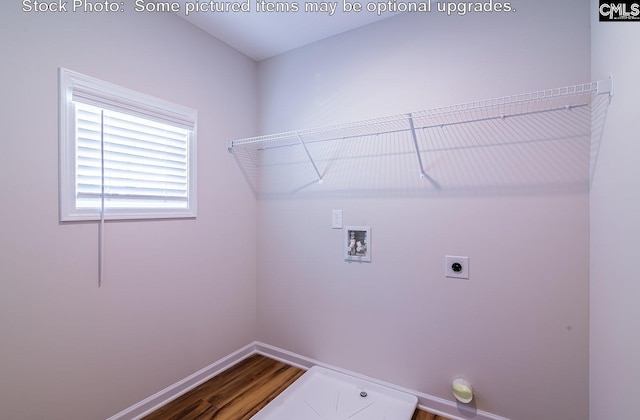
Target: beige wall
x: 177, y: 295
x: 615, y: 229
x: 518, y: 329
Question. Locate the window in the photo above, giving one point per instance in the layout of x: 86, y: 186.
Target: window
x: 123, y: 154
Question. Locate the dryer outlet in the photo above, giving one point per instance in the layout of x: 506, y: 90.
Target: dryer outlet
x: 456, y: 267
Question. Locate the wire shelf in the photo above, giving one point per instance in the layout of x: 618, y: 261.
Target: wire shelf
x: 540, y: 139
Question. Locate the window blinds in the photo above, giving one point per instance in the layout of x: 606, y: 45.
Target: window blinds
x: 108, y: 96
x: 145, y: 162
x: 147, y: 146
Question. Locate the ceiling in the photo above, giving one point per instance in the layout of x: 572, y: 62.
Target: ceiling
x: 261, y: 35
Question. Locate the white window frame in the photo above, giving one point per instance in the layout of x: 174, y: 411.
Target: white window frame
x: 88, y: 90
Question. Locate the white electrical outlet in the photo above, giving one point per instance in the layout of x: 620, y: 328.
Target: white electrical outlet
x: 456, y: 267
x: 336, y: 219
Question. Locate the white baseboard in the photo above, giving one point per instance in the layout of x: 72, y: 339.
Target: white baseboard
x: 426, y: 402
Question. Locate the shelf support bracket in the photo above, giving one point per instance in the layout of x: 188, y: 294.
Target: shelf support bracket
x: 315, y: 168
x: 605, y: 86
x: 423, y: 173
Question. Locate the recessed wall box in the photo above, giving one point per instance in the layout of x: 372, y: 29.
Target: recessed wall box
x: 357, y: 243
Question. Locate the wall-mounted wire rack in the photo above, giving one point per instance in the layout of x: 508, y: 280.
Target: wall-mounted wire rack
x: 542, y: 139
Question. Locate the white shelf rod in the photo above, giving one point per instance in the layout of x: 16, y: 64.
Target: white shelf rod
x: 315, y: 168
x: 599, y: 88
x: 500, y: 116
x: 423, y: 173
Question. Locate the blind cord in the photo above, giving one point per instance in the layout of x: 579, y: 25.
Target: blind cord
x: 101, y: 224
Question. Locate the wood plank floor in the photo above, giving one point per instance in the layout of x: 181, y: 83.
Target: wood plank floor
x: 240, y: 392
